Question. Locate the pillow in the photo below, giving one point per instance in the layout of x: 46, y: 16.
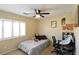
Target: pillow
x: 41, y: 37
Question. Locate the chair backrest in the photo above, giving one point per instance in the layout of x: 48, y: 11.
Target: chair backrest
x: 72, y: 43
x: 54, y: 40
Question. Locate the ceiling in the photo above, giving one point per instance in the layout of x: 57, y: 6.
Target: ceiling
x: 53, y: 9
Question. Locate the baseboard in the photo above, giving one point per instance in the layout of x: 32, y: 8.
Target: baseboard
x: 8, y: 51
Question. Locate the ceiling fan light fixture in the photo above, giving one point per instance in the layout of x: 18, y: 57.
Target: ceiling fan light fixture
x: 37, y: 16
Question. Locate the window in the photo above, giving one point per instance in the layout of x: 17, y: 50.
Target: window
x: 11, y: 29
x: 22, y: 29
x: 0, y: 29
x: 16, y: 31
x: 7, y: 29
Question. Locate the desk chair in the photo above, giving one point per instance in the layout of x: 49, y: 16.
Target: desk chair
x: 55, y: 45
x: 68, y: 49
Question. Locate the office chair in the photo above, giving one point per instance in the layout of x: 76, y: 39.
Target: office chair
x: 70, y: 48
x: 55, y: 45
x: 54, y: 41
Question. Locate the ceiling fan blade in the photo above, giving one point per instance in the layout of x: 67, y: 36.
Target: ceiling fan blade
x: 37, y: 11
x: 44, y: 13
x: 29, y: 13
x: 42, y: 16
x: 34, y: 16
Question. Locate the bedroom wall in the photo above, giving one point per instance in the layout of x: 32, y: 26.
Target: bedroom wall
x: 9, y: 45
x: 44, y: 26
x: 35, y: 26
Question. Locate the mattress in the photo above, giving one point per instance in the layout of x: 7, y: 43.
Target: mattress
x: 32, y: 47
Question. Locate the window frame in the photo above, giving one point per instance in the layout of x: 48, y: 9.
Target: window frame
x: 4, y: 29
x: 12, y: 36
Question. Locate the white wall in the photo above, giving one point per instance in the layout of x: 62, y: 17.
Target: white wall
x: 44, y: 26
x: 76, y: 32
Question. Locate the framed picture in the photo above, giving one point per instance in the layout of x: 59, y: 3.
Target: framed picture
x: 63, y: 21
x: 53, y: 24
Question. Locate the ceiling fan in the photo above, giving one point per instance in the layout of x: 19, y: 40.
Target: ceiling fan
x: 38, y: 13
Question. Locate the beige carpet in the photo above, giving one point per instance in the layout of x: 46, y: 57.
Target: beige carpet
x: 47, y: 51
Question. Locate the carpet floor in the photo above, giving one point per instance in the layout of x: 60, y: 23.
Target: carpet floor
x: 47, y: 51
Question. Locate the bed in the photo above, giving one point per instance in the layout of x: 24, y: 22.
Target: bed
x: 32, y: 47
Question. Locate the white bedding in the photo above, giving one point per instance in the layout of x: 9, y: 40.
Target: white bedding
x: 31, y: 47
